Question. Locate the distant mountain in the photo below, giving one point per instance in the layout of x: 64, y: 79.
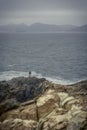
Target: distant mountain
x: 14, y: 28
x: 39, y: 27
x: 80, y: 29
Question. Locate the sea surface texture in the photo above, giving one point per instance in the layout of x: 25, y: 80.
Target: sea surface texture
x: 60, y: 57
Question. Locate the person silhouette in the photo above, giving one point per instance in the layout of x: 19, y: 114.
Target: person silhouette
x: 29, y: 73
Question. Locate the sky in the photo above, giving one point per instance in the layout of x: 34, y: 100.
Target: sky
x: 43, y: 11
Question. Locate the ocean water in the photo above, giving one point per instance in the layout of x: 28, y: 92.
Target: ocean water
x: 59, y: 57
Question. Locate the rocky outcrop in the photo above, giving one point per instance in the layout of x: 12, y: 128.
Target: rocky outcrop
x: 19, y: 90
x: 62, y: 116
x: 58, y: 107
x: 22, y: 89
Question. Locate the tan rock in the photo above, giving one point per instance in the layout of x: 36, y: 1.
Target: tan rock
x: 26, y: 112
x: 18, y: 124
x: 67, y: 101
x: 55, y: 122
x: 60, y: 118
x: 29, y: 112
x: 47, y: 103
x: 52, y: 110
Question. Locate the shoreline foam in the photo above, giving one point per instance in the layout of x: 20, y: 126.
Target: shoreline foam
x: 8, y: 75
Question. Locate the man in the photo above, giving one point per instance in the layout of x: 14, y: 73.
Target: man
x: 29, y: 73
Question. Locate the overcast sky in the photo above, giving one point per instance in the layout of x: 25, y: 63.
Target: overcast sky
x: 43, y: 11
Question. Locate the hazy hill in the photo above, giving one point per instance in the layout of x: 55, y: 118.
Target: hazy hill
x: 39, y: 27
x: 13, y: 28
x: 80, y: 29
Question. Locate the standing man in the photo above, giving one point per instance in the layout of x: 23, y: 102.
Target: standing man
x: 29, y: 74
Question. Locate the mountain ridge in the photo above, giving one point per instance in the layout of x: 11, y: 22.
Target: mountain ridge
x: 40, y: 27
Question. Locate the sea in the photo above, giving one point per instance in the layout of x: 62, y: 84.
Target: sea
x: 58, y: 57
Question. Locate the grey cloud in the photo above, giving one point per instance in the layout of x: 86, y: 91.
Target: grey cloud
x: 42, y: 4
x: 50, y: 11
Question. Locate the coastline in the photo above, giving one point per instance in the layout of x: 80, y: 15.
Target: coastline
x: 9, y: 75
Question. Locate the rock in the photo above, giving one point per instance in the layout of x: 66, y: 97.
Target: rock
x: 17, y: 91
x: 8, y: 105
x: 67, y: 101
x: 60, y: 118
x: 4, y: 87
x: 76, y: 118
x: 47, y: 102
x: 72, y: 119
x: 18, y: 124
x: 28, y: 88
x: 55, y: 122
x: 24, y: 112
x: 29, y: 112
x: 22, y: 89
x: 53, y: 107
x: 2, y: 95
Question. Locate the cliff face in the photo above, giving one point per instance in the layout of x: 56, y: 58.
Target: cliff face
x: 49, y: 107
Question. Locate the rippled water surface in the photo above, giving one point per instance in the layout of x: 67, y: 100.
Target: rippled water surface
x: 61, y: 57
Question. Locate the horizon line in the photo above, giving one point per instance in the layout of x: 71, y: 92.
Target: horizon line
x: 42, y: 24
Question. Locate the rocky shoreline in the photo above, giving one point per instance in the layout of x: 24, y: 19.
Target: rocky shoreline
x: 37, y: 104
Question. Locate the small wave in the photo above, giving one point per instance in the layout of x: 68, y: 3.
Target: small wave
x: 11, y: 65
x: 58, y: 80
x: 8, y: 75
